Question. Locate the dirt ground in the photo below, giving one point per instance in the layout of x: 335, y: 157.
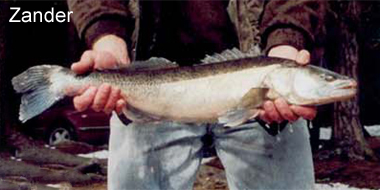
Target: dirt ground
x: 363, y: 174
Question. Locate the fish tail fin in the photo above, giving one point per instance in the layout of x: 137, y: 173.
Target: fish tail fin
x: 39, y: 89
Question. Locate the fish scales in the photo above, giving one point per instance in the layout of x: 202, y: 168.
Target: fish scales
x: 175, y: 92
x: 227, y: 92
x: 189, y: 72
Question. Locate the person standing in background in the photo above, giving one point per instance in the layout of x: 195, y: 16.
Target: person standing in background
x: 167, y: 155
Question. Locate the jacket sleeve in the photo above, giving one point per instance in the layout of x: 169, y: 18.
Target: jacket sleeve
x: 299, y: 23
x: 95, y: 18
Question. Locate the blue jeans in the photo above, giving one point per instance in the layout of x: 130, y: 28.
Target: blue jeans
x: 167, y: 156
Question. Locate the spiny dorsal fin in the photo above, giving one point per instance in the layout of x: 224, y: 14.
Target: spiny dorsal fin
x: 153, y: 63
x: 231, y: 54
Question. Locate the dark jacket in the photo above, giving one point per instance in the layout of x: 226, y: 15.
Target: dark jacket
x: 184, y: 31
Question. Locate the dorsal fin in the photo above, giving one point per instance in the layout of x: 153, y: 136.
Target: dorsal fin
x: 153, y: 63
x: 231, y: 54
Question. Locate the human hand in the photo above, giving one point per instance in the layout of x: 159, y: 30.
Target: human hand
x: 279, y: 110
x: 108, y: 52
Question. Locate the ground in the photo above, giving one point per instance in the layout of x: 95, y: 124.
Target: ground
x: 328, y: 170
x: 362, y: 174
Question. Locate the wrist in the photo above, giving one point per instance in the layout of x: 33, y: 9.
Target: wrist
x: 286, y: 36
x: 103, y: 27
x: 108, y: 40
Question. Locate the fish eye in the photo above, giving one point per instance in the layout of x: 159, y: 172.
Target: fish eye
x: 328, y: 78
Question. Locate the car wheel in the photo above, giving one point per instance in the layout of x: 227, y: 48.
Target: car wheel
x: 60, y: 134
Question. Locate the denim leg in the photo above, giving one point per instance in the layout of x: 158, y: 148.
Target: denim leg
x: 153, y: 156
x: 253, y: 159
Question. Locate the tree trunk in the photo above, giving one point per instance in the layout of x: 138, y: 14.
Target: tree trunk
x: 348, y: 132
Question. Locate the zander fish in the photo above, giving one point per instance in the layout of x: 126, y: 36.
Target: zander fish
x: 227, y: 88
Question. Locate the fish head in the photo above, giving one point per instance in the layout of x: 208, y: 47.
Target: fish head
x: 311, y: 85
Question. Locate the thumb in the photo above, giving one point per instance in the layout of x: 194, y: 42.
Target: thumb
x: 303, y: 57
x: 105, y: 60
x: 123, y: 57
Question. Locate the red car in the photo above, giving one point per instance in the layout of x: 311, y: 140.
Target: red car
x: 62, y: 122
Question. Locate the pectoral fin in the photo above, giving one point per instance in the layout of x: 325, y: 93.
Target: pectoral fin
x: 247, y: 108
x: 254, y: 98
x: 237, y: 117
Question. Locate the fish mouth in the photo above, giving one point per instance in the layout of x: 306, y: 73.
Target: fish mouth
x: 342, y: 91
x: 347, y: 90
x: 339, y: 91
x: 350, y: 84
